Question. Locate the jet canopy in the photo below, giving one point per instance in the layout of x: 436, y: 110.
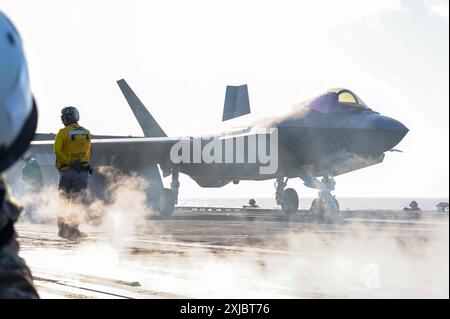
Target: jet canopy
x: 336, y: 100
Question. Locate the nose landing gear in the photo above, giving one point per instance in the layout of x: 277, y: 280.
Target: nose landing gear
x: 325, y: 208
x: 287, y: 198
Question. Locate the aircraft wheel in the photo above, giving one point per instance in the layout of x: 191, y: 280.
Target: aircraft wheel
x: 325, y: 211
x: 317, y: 209
x: 290, y: 201
x: 167, y: 200
x: 331, y: 211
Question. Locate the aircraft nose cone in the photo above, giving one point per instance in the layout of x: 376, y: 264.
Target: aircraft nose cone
x: 387, y: 123
x: 391, y: 131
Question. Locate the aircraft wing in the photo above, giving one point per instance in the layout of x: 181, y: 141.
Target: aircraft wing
x: 123, y: 153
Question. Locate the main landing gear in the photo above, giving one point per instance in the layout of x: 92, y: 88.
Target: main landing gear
x: 169, y: 196
x: 287, y: 198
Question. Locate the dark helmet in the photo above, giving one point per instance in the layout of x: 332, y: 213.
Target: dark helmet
x: 69, y: 115
x: 18, y: 112
x: 252, y: 202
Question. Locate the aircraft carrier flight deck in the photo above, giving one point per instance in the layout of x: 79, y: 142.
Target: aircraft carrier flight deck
x: 220, y: 252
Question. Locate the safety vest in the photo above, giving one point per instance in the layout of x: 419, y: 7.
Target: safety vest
x: 73, y: 143
x: 31, y: 173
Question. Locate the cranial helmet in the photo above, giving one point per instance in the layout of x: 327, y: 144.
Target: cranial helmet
x: 27, y: 156
x: 69, y: 115
x: 18, y: 112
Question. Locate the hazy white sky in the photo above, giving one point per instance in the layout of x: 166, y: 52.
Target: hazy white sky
x: 179, y: 56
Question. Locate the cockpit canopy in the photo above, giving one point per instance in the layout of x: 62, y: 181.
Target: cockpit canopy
x: 336, y: 100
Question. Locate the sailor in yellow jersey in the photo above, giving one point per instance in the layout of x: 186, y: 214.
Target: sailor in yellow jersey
x: 72, y: 149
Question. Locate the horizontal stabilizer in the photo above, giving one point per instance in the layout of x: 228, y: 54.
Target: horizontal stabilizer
x: 148, y: 124
x: 236, y: 102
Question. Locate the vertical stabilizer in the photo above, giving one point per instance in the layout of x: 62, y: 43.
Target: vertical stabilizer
x: 236, y: 102
x: 148, y: 124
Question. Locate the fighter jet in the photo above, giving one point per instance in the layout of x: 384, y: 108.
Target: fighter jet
x: 326, y: 136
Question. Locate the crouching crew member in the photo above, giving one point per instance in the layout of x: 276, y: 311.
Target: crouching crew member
x: 18, y: 120
x: 72, y: 148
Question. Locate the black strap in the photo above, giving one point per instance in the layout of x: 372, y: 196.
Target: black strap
x: 6, y: 234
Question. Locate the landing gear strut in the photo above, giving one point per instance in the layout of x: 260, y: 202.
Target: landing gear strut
x: 326, y: 208
x: 169, y: 196
x: 175, y: 184
x: 287, y: 198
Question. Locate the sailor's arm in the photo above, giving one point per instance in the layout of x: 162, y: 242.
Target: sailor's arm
x: 58, y: 146
x: 90, y: 148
